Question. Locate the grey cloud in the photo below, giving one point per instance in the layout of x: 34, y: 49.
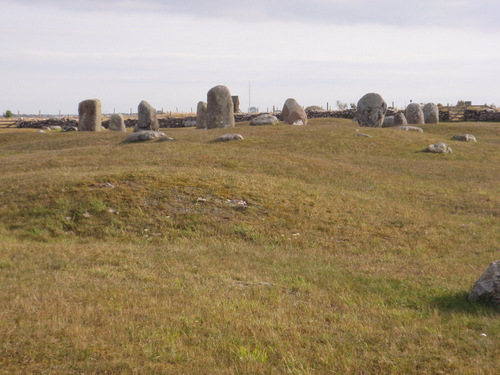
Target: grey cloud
x: 480, y: 14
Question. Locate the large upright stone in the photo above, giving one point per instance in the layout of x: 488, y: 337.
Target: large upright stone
x: 201, y: 115
x: 147, y: 117
x: 371, y: 110
x: 90, y: 115
x: 414, y: 114
x: 431, y: 113
x: 117, y: 123
x: 293, y: 113
x: 219, y: 108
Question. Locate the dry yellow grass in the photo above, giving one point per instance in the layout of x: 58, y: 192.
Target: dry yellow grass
x: 351, y: 254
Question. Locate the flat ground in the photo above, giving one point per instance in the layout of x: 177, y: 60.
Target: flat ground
x: 300, y: 250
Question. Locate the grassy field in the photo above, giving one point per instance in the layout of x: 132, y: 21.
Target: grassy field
x: 300, y: 250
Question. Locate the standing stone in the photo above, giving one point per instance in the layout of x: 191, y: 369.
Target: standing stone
x: 201, y: 115
x: 487, y: 288
x: 414, y: 114
x: 371, y: 110
x: 293, y: 113
x: 400, y: 119
x: 147, y: 117
x: 117, y: 123
x: 90, y: 115
x: 219, y: 108
x: 431, y: 113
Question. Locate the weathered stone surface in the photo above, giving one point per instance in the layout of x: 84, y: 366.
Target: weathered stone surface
x: 371, y: 110
x: 220, y: 112
x: 236, y: 103
x: 388, y: 122
x: 400, y: 119
x: 439, y: 148
x: 487, y: 288
x: 431, y: 113
x: 90, y: 115
x: 144, y: 135
x: 464, y: 138
x: 201, y: 115
x: 264, y: 119
x: 229, y: 137
x: 117, y: 123
x: 414, y: 114
x: 411, y: 128
x: 293, y: 113
x: 147, y: 117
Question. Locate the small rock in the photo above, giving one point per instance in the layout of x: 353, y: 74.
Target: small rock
x: 145, y: 135
x: 411, y: 128
x: 41, y: 131
x: 86, y: 215
x: 363, y: 135
x: 439, y: 148
x: 229, y: 137
x: 464, y: 138
x: 166, y: 139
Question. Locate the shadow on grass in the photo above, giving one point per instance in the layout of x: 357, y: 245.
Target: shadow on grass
x: 458, y: 303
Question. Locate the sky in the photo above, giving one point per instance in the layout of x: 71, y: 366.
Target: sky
x: 55, y: 54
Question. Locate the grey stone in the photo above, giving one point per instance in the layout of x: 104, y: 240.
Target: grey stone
x: 144, y: 135
x: 147, y: 117
x: 464, y: 138
x: 264, y: 119
x: 388, y: 122
x: 188, y: 123
x: 400, y: 119
x: 201, y: 115
x: 90, y: 115
x: 117, y: 123
x: 371, y: 110
x: 411, y: 128
x: 293, y: 113
x: 431, y: 113
x: 414, y: 114
x: 439, y: 148
x: 487, y: 288
x: 219, y: 108
x: 229, y: 137
x: 363, y: 135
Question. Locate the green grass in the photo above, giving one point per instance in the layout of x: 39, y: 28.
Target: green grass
x: 300, y: 250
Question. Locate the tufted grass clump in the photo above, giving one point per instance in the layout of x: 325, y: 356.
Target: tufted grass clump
x: 300, y: 250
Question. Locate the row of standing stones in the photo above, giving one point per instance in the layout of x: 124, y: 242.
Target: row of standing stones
x: 217, y: 112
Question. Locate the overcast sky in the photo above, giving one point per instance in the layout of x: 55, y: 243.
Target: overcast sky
x: 55, y: 54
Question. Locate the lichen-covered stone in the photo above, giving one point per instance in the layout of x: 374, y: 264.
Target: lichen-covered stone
x: 464, y: 138
x: 90, y: 115
x: 219, y: 108
x: 371, y: 110
x: 487, y: 288
x: 201, y: 115
x: 144, y: 135
x: 439, y: 148
x: 431, y: 113
x: 414, y: 114
x: 400, y: 119
x: 117, y: 123
x: 147, y: 117
x: 293, y: 113
x: 264, y: 119
x: 411, y: 128
x: 229, y: 137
